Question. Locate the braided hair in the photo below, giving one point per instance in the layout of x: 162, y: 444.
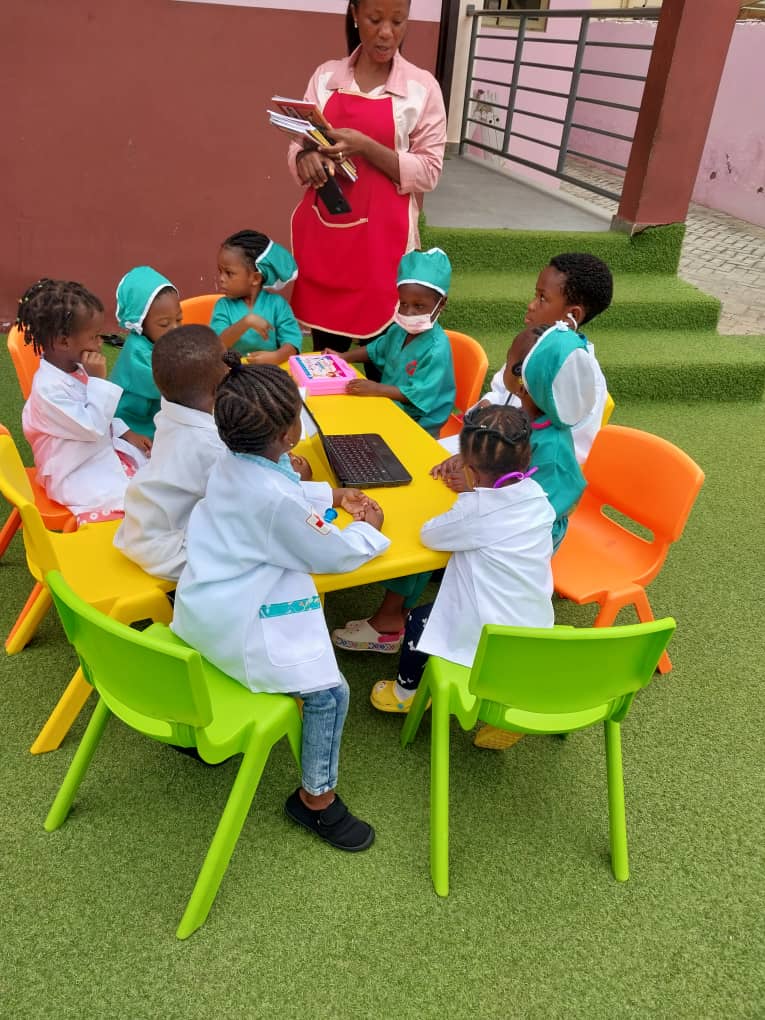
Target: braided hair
x: 588, y: 282
x: 54, y: 308
x: 496, y: 440
x: 254, y: 405
x: 251, y: 243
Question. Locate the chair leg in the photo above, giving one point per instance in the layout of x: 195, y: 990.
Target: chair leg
x: 224, y: 840
x: 65, y: 796
x: 29, y: 619
x: 439, y: 791
x: 416, y: 711
x: 617, y: 820
x: 645, y: 615
x: 62, y: 717
x: 9, y: 529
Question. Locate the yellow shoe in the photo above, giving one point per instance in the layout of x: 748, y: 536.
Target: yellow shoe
x: 383, y: 697
x: 496, y: 739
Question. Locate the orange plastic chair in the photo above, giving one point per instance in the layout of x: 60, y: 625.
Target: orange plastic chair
x: 197, y: 311
x: 93, y: 568
x: 649, y: 481
x: 24, y: 359
x: 470, y: 364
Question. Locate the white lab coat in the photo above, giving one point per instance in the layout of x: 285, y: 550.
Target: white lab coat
x: 500, y: 571
x: 160, y: 497
x: 246, y: 599
x: 74, y: 436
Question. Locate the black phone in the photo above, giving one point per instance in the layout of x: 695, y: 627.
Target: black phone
x: 332, y: 197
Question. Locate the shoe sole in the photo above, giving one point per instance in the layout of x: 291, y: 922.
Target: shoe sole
x: 383, y: 649
x: 337, y: 846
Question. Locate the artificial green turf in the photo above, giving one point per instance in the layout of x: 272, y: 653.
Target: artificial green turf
x: 655, y: 250
x: 671, y: 365
x: 535, y: 925
x: 651, y: 302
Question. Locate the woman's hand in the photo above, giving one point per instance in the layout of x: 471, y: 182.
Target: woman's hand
x: 348, y: 143
x: 313, y: 168
x: 142, y: 443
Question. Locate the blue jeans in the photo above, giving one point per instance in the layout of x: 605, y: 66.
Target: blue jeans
x: 324, y: 714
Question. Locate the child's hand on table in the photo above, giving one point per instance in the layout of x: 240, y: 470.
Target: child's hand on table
x: 353, y: 501
x: 453, y: 474
x: 371, y: 514
x: 142, y: 443
x: 301, y: 465
x: 335, y: 354
x: 364, y: 388
x: 94, y: 364
x: 259, y: 324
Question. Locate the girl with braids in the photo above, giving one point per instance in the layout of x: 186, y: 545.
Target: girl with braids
x: 499, y: 534
x: 246, y: 599
x: 83, y: 454
x: 249, y: 318
x: 388, y: 116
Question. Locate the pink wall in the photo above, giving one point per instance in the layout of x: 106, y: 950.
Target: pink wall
x: 732, y: 172
x: 731, y: 176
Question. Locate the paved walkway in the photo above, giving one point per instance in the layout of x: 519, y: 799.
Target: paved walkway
x: 721, y: 255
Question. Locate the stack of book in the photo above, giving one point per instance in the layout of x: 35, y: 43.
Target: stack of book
x: 306, y: 121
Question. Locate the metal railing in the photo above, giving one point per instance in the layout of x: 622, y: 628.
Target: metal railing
x: 502, y: 117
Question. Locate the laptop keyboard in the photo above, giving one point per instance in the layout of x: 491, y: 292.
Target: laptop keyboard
x: 355, y: 457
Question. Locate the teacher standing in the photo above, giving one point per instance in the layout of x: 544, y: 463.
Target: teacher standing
x: 388, y: 116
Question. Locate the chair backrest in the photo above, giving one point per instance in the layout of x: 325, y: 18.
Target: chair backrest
x: 470, y: 364
x: 133, y: 669
x: 568, y: 669
x: 15, y: 487
x: 644, y: 477
x: 197, y: 311
x: 24, y: 359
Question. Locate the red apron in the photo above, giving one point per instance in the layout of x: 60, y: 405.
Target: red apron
x: 348, y: 263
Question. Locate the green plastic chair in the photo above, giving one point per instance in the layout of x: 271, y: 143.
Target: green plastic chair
x: 537, y: 681
x: 156, y: 684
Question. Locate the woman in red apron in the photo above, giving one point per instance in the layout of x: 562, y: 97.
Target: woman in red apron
x: 388, y: 116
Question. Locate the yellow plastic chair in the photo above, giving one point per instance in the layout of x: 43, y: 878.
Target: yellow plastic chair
x: 608, y: 410
x: 470, y: 364
x: 97, y: 572
x: 24, y: 359
x: 197, y: 311
x: 160, y: 687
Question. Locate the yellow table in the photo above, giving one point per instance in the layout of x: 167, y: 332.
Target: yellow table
x: 406, y: 507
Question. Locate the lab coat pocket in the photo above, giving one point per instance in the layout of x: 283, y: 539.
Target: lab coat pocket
x: 294, y: 632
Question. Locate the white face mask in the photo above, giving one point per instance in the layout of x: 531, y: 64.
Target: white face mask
x: 414, y: 324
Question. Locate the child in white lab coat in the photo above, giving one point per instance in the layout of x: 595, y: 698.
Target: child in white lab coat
x: 246, y: 599
x: 187, y: 367
x: 83, y: 454
x: 500, y: 535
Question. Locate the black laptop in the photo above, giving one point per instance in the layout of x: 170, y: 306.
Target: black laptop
x: 362, y: 461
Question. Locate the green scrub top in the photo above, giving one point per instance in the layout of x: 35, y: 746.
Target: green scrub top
x: 271, y: 307
x: 140, y: 398
x: 559, y: 474
x: 423, y: 371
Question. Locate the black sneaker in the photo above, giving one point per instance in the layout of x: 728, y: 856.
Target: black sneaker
x: 335, y: 824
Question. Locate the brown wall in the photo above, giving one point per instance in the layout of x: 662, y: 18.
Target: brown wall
x: 134, y: 131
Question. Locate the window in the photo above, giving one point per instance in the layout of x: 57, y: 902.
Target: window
x: 537, y: 24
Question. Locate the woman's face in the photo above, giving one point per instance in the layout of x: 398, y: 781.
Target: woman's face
x: 382, y: 27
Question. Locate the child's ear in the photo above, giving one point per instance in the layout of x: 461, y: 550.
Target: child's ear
x: 577, y: 313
